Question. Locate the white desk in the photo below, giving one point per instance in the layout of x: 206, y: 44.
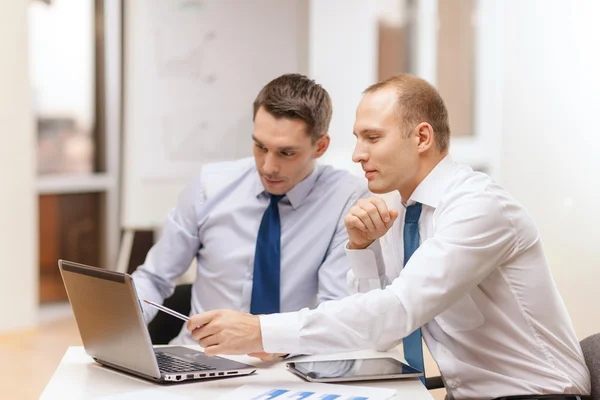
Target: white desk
x: 79, y: 377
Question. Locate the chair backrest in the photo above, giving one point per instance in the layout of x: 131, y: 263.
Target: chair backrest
x: 591, y: 353
x: 164, y: 327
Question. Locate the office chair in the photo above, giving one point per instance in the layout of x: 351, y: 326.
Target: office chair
x: 591, y: 353
x: 434, y: 382
x: 163, y: 328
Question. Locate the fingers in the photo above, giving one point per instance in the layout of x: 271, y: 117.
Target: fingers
x: 393, y: 217
x: 208, y: 341
x: 352, y: 221
x: 203, y: 325
x: 373, y: 213
x: 263, y: 356
x: 371, y: 216
x: 227, y: 332
x: 381, y: 208
x: 214, y: 350
x: 200, y: 319
x: 206, y: 330
x: 361, y: 211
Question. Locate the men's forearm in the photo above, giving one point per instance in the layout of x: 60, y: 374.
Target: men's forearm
x: 354, y: 323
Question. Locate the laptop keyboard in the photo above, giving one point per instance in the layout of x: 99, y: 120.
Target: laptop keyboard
x: 168, y: 363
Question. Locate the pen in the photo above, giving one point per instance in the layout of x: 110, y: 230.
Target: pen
x: 167, y: 310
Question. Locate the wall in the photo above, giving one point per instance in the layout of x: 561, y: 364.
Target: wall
x: 18, y: 206
x: 551, y: 140
x: 186, y: 95
x: 342, y: 56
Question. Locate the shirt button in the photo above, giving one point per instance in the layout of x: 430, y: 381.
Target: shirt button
x: 453, y: 384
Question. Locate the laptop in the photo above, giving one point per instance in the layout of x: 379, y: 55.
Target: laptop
x: 114, y: 333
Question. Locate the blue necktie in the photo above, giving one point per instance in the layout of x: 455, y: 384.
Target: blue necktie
x: 413, y: 345
x: 267, y: 260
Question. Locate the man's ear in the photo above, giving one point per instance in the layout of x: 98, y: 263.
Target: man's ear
x: 426, y: 137
x: 322, y: 145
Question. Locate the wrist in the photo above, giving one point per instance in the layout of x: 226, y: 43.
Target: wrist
x: 358, y: 246
x: 259, y: 341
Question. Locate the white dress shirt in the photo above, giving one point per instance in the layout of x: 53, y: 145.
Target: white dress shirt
x: 479, y: 285
x: 217, y: 219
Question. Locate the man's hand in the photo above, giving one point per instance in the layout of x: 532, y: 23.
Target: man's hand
x: 367, y: 221
x: 226, y: 332
x: 267, y: 356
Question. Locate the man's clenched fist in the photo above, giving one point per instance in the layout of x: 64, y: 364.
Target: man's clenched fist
x: 367, y: 221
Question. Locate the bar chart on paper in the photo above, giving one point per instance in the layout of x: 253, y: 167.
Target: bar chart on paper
x: 291, y: 394
x: 308, y: 391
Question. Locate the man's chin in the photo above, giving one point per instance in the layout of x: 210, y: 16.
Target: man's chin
x: 275, y: 192
x: 378, y: 187
x: 275, y: 189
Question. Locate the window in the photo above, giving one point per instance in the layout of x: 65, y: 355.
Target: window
x: 78, y: 138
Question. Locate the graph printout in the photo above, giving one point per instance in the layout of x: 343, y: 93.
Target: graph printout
x: 308, y: 391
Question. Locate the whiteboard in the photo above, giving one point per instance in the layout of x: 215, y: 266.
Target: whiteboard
x: 192, y: 69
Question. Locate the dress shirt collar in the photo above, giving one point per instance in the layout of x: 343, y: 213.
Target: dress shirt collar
x: 432, y: 188
x: 298, y: 193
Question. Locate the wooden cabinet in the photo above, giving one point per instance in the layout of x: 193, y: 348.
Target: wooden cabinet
x: 69, y: 228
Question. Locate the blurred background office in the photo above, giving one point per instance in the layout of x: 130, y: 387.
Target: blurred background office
x: 108, y: 107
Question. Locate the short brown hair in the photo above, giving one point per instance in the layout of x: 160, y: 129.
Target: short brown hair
x: 417, y: 102
x: 295, y: 96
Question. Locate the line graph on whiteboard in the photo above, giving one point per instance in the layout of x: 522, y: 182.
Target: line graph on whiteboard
x: 194, y: 69
x: 183, y: 39
x: 186, y: 63
x: 183, y: 142
x: 187, y: 143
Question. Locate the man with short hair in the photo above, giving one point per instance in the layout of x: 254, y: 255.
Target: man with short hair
x: 462, y: 265
x: 268, y: 233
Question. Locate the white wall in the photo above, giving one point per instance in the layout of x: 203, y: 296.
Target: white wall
x: 183, y: 104
x: 342, y: 56
x: 551, y: 139
x: 18, y: 206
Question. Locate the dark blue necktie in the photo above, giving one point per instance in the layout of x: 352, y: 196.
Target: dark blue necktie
x: 267, y: 261
x: 413, y: 344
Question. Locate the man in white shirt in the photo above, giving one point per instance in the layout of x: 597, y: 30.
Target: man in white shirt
x: 267, y: 232
x: 475, y: 279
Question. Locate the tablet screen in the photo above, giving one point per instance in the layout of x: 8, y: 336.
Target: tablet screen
x: 355, y: 368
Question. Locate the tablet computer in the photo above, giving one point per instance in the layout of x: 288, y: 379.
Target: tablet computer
x: 353, y: 370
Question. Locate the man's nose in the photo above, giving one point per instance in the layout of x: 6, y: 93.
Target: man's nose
x: 271, y: 165
x: 359, y: 154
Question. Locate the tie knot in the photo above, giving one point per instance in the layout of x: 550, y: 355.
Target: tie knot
x: 413, y: 213
x: 275, y: 198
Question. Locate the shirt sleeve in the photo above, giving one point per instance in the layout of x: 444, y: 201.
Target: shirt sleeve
x: 367, y: 269
x: 374, y: 267
x: 334, y: 267
x: 173, y: 253
x: 473, y: 236
x: 371, y: 271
